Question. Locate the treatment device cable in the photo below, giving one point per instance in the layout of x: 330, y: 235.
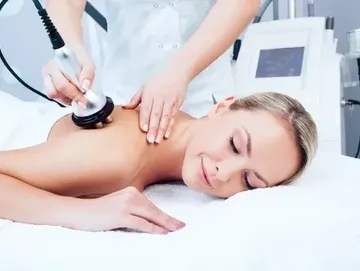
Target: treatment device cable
x: 6, y: 64
x: 89, y: 9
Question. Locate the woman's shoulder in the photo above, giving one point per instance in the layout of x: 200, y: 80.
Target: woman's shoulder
x: 123, y: 122
x: 124, y: 126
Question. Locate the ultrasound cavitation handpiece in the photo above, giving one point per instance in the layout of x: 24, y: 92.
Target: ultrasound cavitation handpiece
x: 99, y: 107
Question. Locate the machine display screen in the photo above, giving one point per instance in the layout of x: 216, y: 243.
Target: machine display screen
x: 282, y: 62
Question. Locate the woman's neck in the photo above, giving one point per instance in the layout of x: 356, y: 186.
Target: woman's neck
x: 166, y: 159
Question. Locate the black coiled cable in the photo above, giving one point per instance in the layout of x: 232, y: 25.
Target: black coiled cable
x: 13, y: 73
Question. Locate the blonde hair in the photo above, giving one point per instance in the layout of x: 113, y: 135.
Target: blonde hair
x: 301, y: 124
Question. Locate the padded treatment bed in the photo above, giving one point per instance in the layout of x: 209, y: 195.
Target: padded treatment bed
x: 313, y: 224
x: 310, y: 225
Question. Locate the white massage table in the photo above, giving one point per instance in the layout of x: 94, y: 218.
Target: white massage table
x: 313, y: 224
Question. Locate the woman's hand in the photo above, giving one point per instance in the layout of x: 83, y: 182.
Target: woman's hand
x: 160, y: 100
x: 128, y: 208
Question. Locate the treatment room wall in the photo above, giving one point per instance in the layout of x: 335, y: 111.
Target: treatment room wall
x: 26, y: 46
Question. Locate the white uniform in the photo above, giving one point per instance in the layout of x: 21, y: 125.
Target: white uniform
x: 143, y: 36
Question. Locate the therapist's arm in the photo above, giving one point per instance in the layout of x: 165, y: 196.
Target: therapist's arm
x: 223, y: 25
x: 66, y: 16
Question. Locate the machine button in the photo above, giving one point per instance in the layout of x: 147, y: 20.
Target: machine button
x: 155, y: 5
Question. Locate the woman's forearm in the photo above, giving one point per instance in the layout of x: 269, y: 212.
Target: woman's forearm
x: 66, y: 16
x: 223, y: 25
x: 23, y: 203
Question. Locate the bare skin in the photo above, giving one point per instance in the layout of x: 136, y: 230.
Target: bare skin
x: 97, y: 161
x: 112, y: 164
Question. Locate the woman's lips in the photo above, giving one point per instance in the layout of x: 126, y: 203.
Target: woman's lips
x: 204, y: 177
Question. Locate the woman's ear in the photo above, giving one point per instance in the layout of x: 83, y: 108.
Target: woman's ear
x: 222, y: 106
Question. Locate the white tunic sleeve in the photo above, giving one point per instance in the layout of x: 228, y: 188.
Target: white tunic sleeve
x: 143, y: 36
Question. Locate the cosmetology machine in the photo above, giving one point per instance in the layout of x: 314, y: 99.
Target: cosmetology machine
x: 99, y: 107
x: 296, y: 56
x: 350, y: 71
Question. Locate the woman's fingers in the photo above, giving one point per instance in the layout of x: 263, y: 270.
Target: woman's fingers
x: 129, y: 208
x: 147, y: 210
x: 142, y: 225
x: 134, y: 204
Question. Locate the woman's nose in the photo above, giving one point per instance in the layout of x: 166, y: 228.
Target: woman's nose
x: 227, y: 169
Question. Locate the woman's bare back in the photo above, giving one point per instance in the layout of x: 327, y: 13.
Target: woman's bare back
x: 82, y: 163
x: 41, y: 184
x: 122, y: 119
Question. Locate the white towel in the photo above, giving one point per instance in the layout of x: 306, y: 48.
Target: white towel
x: 311, y: 225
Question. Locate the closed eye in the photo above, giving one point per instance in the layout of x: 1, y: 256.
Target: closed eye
x: 246, y: 182
x: 232, y: 145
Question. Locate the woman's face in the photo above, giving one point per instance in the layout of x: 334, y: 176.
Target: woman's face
x: 234, y: 151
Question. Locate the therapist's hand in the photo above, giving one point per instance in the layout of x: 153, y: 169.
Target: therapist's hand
x: 58, y: 87
x: 160, y: 98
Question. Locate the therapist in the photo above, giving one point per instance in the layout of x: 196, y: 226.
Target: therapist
x: 161, y: 55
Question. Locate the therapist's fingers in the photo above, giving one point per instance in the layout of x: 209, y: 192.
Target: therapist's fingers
x: 66, y: 100
x: 135, y: 100
x: 156, y: 112
x: 50, y: 88
x: 145, y: 111
x: 172, y: 121
x: 170, y: 128
x: 87, y: 75
x: 63, y: 86
x: 164, y: 122
x: 53, y: 93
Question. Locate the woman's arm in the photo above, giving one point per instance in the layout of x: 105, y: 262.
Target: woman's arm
x: 222, y: 26
x: 77, y: 163
x: 36, y: 182
x: 23, y: 203
x: 126, y: 208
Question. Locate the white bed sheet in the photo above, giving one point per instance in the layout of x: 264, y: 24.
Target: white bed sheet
x: 311, y: 225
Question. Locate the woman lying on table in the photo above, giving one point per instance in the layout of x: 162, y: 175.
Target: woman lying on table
x: 92, y: 179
